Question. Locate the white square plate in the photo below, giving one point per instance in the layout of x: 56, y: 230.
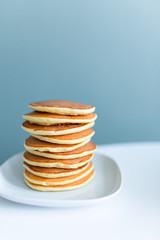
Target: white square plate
x: 106, y: 183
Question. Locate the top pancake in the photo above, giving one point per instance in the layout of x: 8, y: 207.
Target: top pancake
x: 62, y: 107
x: 43, y: 118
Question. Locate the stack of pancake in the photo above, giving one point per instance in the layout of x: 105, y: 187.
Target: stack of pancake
x: 59, y: 150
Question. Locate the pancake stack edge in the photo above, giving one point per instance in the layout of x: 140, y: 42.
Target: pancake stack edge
x: 59, y: 150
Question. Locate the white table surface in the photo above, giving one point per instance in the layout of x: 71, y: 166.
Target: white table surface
x: 134, y: 213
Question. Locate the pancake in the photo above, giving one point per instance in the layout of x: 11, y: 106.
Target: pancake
x: 53, y: 172
x: 62, y: 107
x: 72, y: 138
x: 69, y: 186
x: 59, y: 129
x: 35, y: 160
x: 85, y: 150
x: 43, y: 118
x: 59, y: 180
x: 32, y: 143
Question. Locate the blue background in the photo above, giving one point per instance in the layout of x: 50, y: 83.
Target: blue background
x: 103, y: 53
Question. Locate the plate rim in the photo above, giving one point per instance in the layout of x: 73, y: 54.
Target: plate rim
x: 62, y: 203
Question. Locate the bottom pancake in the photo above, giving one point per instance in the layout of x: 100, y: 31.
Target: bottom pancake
x: 57, y: 180
x: 69, y: 186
